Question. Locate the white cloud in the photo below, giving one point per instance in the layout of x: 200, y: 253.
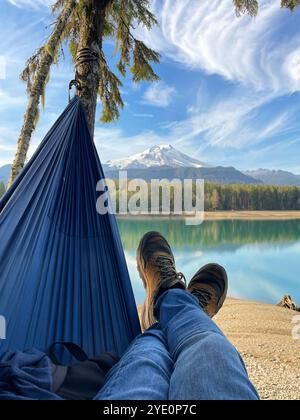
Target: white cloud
x: 207, y: 35
x: 262, y: 62
x: 7, y: 148
x: 33, y: 4
x: 137, y: 115
x: 220, y: 125
x: 292, y: 68
x: 159, y: 95
x: 9, y: 100
x: 8, y: 142
x: 218, y: 135
x: 113, y: 143
x: 204, y: 35
x: 2, y: 67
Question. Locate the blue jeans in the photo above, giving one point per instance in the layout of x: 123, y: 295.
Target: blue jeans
x: 184, y: 357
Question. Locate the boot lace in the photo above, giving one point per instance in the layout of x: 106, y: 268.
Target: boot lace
x: 204, y: 296
x: 167, y: 271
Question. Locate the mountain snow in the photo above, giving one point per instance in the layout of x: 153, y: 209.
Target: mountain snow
x: 157, y: 156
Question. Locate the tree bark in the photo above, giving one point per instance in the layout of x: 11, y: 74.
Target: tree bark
x: 88, y: 71
x: 37, y: 90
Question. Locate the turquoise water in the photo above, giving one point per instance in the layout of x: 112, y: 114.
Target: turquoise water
x: 261, y: 257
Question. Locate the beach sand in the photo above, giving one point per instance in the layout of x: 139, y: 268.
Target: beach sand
x: 263, y: 335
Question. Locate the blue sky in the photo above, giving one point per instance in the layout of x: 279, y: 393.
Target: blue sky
x: 228, y: 95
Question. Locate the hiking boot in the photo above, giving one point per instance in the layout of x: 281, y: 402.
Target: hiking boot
x: 210, y: 286
x: 156, y: 266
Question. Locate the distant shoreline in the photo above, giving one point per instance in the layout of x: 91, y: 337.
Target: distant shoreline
x: 249, y: 215
x: 228, y: 215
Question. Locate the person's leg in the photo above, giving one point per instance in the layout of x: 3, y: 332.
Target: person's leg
x: 207, y: 366
x: 144, y: 371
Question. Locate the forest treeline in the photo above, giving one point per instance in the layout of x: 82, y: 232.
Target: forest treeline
x: 251, y: 197
x: 243, y: 197
x: 238, y: 197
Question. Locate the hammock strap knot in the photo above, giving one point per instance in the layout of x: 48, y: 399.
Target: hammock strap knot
x: 84, y: 55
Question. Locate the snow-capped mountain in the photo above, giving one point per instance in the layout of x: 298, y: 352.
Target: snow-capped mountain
x: 166, y: 162
x: 157, y: 156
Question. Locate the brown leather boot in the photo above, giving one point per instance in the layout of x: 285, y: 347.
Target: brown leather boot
x: 210, y: 286
x: 156, y: 266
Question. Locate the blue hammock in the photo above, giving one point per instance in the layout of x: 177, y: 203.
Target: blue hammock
x: 63, y: 275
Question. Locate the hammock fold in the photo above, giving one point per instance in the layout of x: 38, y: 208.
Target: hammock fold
x: 63, y: 274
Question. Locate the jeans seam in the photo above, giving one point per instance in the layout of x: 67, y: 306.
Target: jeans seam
x: 184, y: 340
x: 117, y: 372
x: 124, y: 361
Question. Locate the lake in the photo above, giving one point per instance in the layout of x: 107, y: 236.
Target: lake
x: 261, y: 257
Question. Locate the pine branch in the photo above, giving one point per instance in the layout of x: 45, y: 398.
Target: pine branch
x: 246, y: 6
x: 290, y: 4
x: 109, y: 92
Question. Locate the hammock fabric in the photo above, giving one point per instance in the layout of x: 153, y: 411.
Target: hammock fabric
x: 63, y: 275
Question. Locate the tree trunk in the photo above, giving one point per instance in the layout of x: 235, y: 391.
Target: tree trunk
x: 37, y: 90
x: 89, y: 50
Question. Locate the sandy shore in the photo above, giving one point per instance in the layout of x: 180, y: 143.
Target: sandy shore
x: 263, y: 335
x: 225, y: 215
x: 252, y: 215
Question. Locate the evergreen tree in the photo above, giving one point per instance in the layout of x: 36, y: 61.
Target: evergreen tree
x: 252, y: 6
x: 215, y: 200
x: 85, y: 25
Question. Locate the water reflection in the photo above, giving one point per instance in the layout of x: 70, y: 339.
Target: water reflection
x: 262, y: 257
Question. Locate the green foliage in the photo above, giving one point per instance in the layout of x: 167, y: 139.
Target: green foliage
x: 290, y: 4
x: 122, y: 17
x: 239, y: 197
x: 57, y: 5
x: 73, y: 48
x: 43, y: 96
x: 246, y: 6
x: 251, y: 7
x: 214, y: 200
x: 141, y: 68
x: 132, y: 53
x: 2, y: 189
x: 109, y: 93
x: 121, y: 20
x: 37, y: 117
x: 28, y: 75
x: 251, y: 197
